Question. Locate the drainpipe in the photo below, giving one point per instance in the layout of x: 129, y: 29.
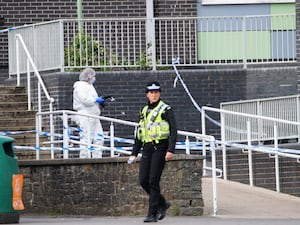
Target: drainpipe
x: 150, y: 34
x: 79, y: 16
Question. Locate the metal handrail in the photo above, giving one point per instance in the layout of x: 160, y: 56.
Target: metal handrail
x: 124, y: 42
x: 282, y: 107
x: 275, y: 151
x: 40, y: 81
x: 29, y: 60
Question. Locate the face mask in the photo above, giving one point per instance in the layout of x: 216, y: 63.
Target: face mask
x: 93, y: 80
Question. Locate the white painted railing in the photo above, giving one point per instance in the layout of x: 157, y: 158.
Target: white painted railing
x: 40, y: 83
x: 249, y: 128
x: 284, y: 107
x: 123, y: 42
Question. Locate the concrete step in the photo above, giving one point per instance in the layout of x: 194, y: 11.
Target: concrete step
x: 17, y: 114
x: 12, y: 90
x: 16, y: 128
x: 31, y: 154
x: 13, y: 106
x: 13, y: 123
x: 14, y: 116
x: 15, y: 97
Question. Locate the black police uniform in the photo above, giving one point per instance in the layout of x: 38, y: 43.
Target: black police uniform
x: 153, y: 161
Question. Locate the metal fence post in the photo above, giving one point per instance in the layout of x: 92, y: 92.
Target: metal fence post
x: 65, y: 135
x: 223, y: 140
x: 249, y: 154
x: 244, y: 43
x: 214, y: 176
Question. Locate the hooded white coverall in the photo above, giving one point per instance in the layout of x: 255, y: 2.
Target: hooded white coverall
x: 84, y: 101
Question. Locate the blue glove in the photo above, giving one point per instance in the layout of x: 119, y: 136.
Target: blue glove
x: 100, y: 100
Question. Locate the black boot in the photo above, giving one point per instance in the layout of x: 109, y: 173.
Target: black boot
x: 150, y: 219
x: 163, y: 210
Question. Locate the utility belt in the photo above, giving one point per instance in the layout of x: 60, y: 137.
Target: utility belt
x: 156, y: 142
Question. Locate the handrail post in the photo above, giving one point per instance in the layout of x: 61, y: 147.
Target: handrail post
x: 249, y: 154
x: 112, y: 137
x: 187, y: 146
x: 203, y: 128
x: 223, y: 140
x: 28, y: 86
x: 39, y: 105
x: 65, y: 136
x: 89, y: 141
x: 276, y: 158
x: 61, y: 44
x: 37, y: 138
x: 17, y: 60
x: 214, y: 177
x: 51, y: 129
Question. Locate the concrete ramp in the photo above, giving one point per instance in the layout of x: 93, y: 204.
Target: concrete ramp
x: 236, y: 200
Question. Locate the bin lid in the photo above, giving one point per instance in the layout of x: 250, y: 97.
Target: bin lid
x: 5, y: 139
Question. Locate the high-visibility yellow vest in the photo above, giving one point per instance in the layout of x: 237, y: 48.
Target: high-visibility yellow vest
x: 152, y: 127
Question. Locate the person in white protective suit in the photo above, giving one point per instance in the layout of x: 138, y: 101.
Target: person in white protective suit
x: 87, y: 101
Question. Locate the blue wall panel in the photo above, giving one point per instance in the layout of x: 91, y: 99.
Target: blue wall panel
x: 232, y: 10
x: 280, y: 52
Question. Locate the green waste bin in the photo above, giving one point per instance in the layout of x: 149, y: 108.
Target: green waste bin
x: 8, y: 167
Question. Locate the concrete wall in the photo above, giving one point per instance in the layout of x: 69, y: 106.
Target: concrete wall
x: 107, y: 187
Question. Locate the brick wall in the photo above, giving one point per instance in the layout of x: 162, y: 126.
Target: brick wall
x: 107, y: 187
x: 208, y: 87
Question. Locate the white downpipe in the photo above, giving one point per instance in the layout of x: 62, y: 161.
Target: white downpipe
x: 65, y: 135
x: 223, y: 139
x: 249, y: 154
x: 28, y: 86
x: 112, y: 137
x: 150, y: 33
x: 214, y: 177
x: 276, y: 159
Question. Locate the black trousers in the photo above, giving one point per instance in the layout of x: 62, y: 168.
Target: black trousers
x: 151, y: 168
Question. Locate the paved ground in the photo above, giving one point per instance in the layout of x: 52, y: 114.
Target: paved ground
x: 238, y: 204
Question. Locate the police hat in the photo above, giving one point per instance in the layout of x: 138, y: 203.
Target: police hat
x: 153, y: 86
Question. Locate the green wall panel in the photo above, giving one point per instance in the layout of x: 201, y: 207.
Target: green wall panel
x: 277, y: 23
x: 229, y: 45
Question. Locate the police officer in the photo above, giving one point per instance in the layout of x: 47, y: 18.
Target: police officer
x: 156, y: 137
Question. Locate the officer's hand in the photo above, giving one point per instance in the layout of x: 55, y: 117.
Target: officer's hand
x: 131, y: 159
x: 169, y: 156
x: 100, y: 100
